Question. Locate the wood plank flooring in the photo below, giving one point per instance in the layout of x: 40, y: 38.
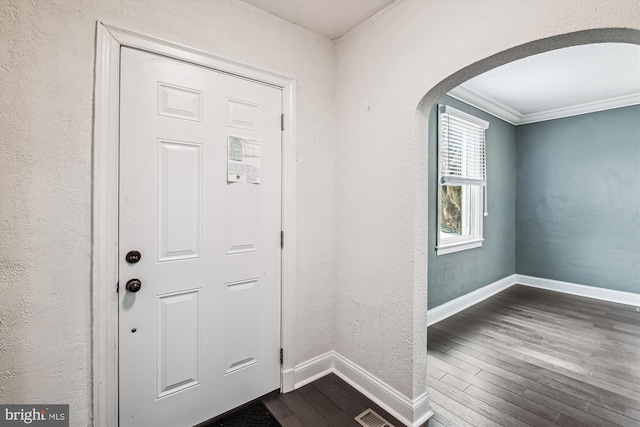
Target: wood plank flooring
x: 326, y: 402
x: 531, y: 357
x: 524, y: 357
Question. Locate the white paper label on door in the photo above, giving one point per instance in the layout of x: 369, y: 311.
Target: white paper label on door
x: 243, y: 160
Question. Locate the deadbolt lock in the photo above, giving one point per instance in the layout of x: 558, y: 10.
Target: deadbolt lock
x: 132, y: 257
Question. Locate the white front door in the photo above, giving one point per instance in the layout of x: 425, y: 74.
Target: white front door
x: 202, y: 334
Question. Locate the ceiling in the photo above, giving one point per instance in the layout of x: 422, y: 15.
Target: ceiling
x: 559, y: 83
x: 331, y: 18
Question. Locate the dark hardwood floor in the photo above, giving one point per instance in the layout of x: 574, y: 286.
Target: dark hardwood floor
x: 327, y: 402
x: 524, y: 357
x: 531, y: 357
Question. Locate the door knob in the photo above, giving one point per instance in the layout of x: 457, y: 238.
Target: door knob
x: 133, y: 285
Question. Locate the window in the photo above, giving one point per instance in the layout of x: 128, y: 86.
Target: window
x: 462, y: 180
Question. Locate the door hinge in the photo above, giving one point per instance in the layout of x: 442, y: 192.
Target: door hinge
x: 118, y: 288
x: 281, y: 239
x: 281, y: 121
x: 281, y: 357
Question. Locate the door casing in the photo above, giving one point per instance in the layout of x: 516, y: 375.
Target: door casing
x: 104, y: 257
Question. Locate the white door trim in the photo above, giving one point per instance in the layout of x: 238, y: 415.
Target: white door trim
x: 104, y: 257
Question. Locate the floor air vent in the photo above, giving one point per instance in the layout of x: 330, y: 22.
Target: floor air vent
x: 370, y: 418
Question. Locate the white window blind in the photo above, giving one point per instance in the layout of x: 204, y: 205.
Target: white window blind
x: 462, y: 148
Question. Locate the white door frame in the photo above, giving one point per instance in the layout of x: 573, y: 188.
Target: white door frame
x: 104, y: 257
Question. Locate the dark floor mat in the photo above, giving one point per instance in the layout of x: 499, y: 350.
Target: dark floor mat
x: 255, y: 415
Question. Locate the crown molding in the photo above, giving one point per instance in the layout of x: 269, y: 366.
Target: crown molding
x: 486, y: 104
x: 588, y: 107
x: 516, y: 118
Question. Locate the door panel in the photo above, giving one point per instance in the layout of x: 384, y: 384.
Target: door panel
x: 202, y: 335
x: 179, y: 346
x: 241, y: 311
x: 241, y: 221
x: 179, y: 200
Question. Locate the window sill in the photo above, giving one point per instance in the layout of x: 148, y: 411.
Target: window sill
x: 458, y: 246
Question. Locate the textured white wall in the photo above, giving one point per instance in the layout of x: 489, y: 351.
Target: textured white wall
x: 47, y: 51
x: 358, y: 193
x: 385, y: 67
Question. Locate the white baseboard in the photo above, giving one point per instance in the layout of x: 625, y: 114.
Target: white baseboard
x: 412, y: 413
x: 313, y: 369
x: 627, y: 298
x: 452, y: 307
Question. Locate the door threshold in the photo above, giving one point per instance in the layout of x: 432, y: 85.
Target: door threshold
x: 214, y: 420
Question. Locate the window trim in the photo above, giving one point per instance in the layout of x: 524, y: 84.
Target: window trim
x: 475, y: 237
x: 477, y: 214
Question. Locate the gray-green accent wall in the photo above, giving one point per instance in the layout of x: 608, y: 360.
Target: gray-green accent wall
x: 457, y: 274
x: 578, y: 199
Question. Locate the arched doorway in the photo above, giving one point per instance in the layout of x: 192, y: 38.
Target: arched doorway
x: 529, y: 49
